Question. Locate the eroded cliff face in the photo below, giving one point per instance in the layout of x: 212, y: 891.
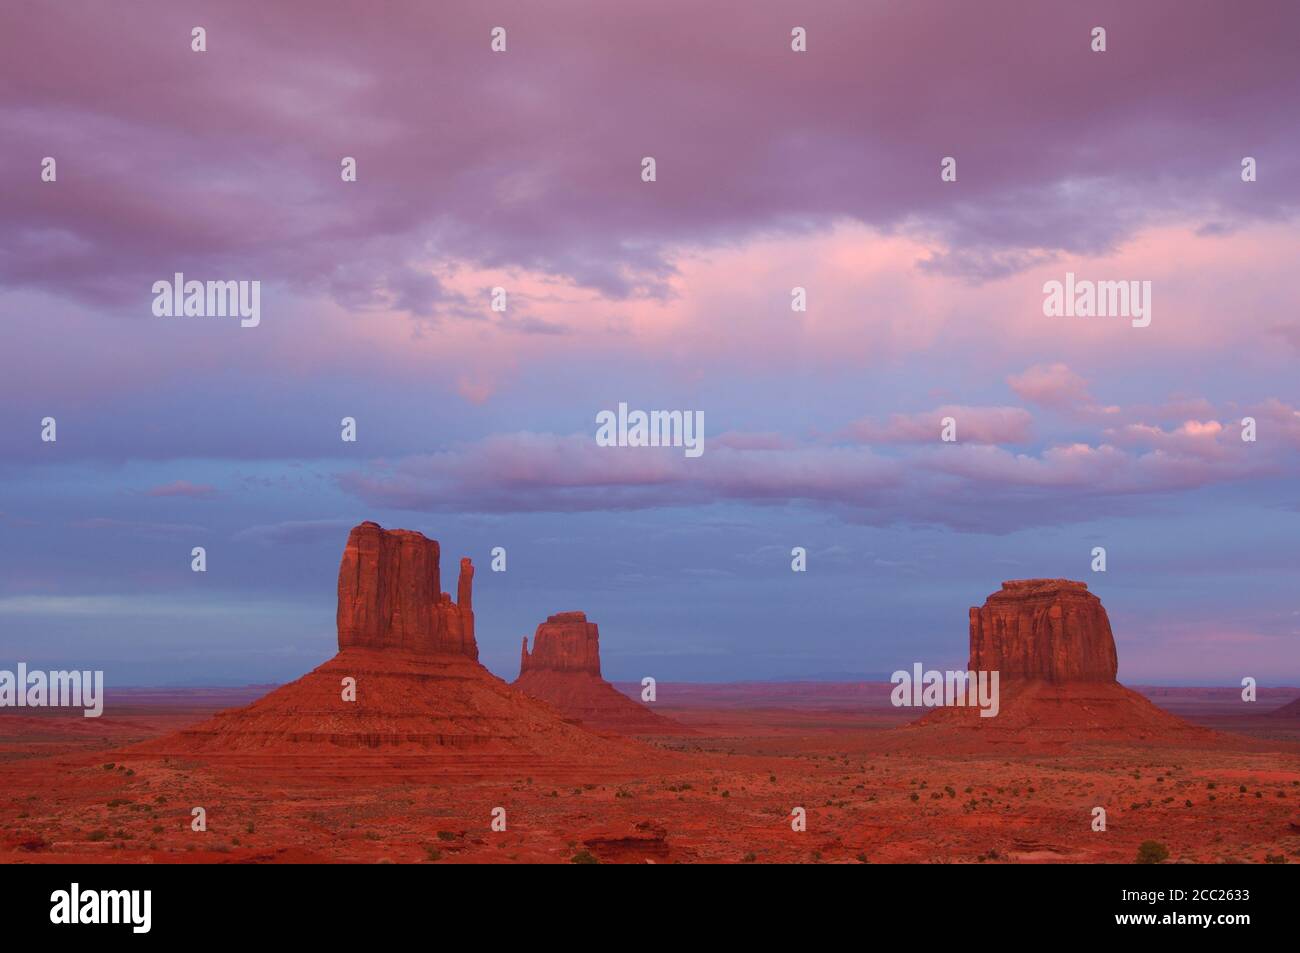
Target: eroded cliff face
x: 565, y: 642
x: 390, y: 595
x: 1051, y: 630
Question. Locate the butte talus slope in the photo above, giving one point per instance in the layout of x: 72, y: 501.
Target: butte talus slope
x: 563, y: 670
x: 419, y: 686
x: 1051, y: 642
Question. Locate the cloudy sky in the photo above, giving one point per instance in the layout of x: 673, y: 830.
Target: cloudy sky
x: 775, y: 169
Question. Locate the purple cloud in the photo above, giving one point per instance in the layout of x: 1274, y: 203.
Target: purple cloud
x: 195, y: 491
x: 226, y: 163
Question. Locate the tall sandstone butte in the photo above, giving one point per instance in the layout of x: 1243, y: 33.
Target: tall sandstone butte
x: 1051, y: 630
x: 406, y: 680
x: 390, y: 595
x: 563, y: 670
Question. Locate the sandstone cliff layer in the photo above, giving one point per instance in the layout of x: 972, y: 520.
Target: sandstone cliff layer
x: 1051, y: 630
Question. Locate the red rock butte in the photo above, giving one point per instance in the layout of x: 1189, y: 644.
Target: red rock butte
x: 564, y: 670
x: 390, y: 595
x: 1051, y: 643
x: 565, y: 642
x: 1053, y: 630
x: 419, y: 688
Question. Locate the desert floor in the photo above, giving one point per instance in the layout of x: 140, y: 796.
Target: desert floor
x: 72, y: 791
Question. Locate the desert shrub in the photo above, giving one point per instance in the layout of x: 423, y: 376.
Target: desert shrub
x: 1152, y: 852
x: 583, y: 857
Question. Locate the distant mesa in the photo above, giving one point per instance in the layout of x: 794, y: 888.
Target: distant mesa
x: 563, y: 670
x: 1289, y: 710
x: 419, y: 686
x: 1051, y: 642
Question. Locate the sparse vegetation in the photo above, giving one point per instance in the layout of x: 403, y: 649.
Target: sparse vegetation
x: 1152, y: 852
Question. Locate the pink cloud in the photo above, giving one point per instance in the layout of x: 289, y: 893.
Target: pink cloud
x: 973, y: 425
x: 1050, y: 385
x: 922, y: 480
x: 1278, y: 422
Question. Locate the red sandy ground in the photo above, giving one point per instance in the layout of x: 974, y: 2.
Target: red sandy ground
x: 69, y: 791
